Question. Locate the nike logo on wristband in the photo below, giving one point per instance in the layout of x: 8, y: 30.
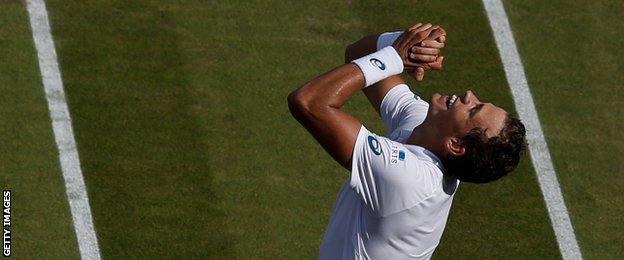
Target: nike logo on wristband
x: 378, y: 64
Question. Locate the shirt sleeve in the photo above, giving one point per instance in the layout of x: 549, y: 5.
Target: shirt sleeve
x: 387, y: 39
x: 402, y: 109
x: 386, y: 177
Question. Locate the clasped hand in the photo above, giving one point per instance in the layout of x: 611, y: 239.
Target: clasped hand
x: 420, y: 48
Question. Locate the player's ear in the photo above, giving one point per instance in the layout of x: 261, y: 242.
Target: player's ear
x: 454, y: 147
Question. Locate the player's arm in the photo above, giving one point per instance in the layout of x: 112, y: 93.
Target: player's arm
x: 317, y: 104
x: 426, y: 54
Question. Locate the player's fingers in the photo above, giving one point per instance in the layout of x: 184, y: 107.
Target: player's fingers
x: 436, y: 33
x: 424, y: 50
x: 416, y: 36
x: 413, y: 37
x: 413, y: 33
x: 408, y: 39
x: 442, y: 29
x: 442, y: 39
x: 420, y: 74
x: 411, y: 64
x: 437, y: 64
x: 424, y: 34
x: 432, y: 44
x: 423, y: 27
x: 422, y: 58
x: 424, y: 66
x: 415, y: 26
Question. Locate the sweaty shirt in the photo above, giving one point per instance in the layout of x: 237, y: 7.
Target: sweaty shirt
x: 396, y: 202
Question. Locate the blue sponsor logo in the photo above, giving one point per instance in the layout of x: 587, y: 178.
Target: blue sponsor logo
x: 374, y: 145
x: 401, y: 156
x: 378, y: 64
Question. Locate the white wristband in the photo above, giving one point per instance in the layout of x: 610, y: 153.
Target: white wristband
x: 387, y: 39
x: 380, y: 65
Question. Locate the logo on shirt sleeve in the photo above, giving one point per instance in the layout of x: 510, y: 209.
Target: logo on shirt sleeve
x: 374, y: 145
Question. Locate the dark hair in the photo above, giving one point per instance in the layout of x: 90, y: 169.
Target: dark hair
x: 488, y: 159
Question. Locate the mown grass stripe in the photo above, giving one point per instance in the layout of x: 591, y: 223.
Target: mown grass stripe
x: 63, y: 133
x: 540, y: 155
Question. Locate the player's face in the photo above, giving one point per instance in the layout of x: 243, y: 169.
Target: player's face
x: 454, y: 116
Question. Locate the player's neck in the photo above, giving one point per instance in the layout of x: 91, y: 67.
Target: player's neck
x: 427, y: 138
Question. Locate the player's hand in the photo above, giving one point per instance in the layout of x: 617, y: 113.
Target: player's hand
x: 427, y: 53
x: 425, y: 43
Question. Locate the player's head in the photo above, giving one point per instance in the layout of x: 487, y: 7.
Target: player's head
x: 480, y: 141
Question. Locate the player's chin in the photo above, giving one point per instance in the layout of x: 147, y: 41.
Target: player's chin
x: 434, y: 99
x: 434, y: 111
x: 437, y: 103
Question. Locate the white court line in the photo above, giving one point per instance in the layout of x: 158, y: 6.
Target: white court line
x: 540, y: 155
x: 63, y: 133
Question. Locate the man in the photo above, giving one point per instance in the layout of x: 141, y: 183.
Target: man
x: 396, y: 202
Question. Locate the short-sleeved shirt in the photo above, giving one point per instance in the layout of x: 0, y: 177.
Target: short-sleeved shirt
x: 396, y: 202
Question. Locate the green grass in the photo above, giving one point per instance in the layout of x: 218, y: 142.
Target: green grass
x: 29, y: 166
x: 144, y: 155
x: 573, y: 61
x: 188, y: 149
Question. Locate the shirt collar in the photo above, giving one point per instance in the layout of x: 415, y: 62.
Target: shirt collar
x: 426, y: 155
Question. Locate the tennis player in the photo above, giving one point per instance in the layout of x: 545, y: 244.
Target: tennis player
x: 396, y: 202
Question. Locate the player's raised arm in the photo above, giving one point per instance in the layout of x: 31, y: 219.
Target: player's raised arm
x: 427, y: 54
x: 317, y: 104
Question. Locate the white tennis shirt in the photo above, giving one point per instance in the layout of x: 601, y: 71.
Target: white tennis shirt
x: 396, y: 203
